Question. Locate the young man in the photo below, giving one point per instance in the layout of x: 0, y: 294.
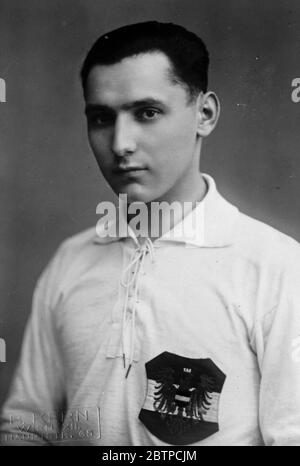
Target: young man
x: 186, y: 338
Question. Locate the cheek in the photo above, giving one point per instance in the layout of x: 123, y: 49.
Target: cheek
x: 174, y: 144
x: 95, y: 140
x: 99, y: 146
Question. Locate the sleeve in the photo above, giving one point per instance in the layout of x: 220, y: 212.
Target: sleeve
x: 31, y: 413
x: 277, y: 341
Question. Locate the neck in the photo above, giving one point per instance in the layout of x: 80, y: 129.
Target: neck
x: 163, y: 214
x: 195, y: 192
x: 178, y: 201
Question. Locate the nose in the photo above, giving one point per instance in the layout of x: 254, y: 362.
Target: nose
x: 123, y: 141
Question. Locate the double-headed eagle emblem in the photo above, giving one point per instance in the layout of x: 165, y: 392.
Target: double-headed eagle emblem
x: 184, y: 393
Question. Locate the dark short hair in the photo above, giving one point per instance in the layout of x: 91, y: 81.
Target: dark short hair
x: 185, y: 50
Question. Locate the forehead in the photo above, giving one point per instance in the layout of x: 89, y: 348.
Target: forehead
x: 133, y: 78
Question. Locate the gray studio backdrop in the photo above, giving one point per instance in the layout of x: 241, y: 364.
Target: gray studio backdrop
x: 50, y: 183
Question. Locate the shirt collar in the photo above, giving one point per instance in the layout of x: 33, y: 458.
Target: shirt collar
x: 210, y: 224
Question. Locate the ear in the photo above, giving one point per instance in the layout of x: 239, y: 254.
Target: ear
x: 208, y: 108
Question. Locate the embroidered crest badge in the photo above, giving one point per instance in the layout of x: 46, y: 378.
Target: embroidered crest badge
x: 181, y: 405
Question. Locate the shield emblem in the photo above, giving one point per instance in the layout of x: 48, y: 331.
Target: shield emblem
x: 181, y: 405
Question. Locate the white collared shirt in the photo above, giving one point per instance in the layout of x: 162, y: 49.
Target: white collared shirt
x: 220, y: 316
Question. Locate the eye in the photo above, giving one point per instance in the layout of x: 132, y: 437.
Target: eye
x: 100, y: 119
x: 148, y: 114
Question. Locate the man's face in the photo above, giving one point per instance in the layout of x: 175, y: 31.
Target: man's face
x: 142, y: 129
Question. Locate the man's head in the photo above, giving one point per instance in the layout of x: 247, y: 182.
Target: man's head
x: 186, y: 51
x: 147, y: 109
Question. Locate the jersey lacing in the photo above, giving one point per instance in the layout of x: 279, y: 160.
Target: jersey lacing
x: 135, y: 266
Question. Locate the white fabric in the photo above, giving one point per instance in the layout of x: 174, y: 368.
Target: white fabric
x: 233, y: 297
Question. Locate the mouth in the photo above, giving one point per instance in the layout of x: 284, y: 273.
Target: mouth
x: 128, y: 170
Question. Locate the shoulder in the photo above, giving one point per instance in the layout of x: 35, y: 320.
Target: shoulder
x: 265, y: 244
x: 74, y: 255
x: 73, y: 246
x: 78, y: 242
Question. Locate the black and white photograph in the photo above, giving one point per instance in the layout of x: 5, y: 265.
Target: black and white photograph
x: 150, y: 224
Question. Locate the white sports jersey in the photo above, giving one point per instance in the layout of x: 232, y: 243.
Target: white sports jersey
x: 209, y: 323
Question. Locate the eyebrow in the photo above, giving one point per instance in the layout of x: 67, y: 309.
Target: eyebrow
x: 130, y: 105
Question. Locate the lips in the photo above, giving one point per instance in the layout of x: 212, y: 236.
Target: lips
x: 128, y: 169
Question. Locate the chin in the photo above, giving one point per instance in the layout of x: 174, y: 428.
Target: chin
x: 136, y: 194
x: 137, y: 197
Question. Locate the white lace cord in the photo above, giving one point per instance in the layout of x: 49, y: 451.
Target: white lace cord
x: 132, y: 334
x: 123, y: 325
x: 138, y: 261
x: 126, y: 284
x: 150, y: 248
